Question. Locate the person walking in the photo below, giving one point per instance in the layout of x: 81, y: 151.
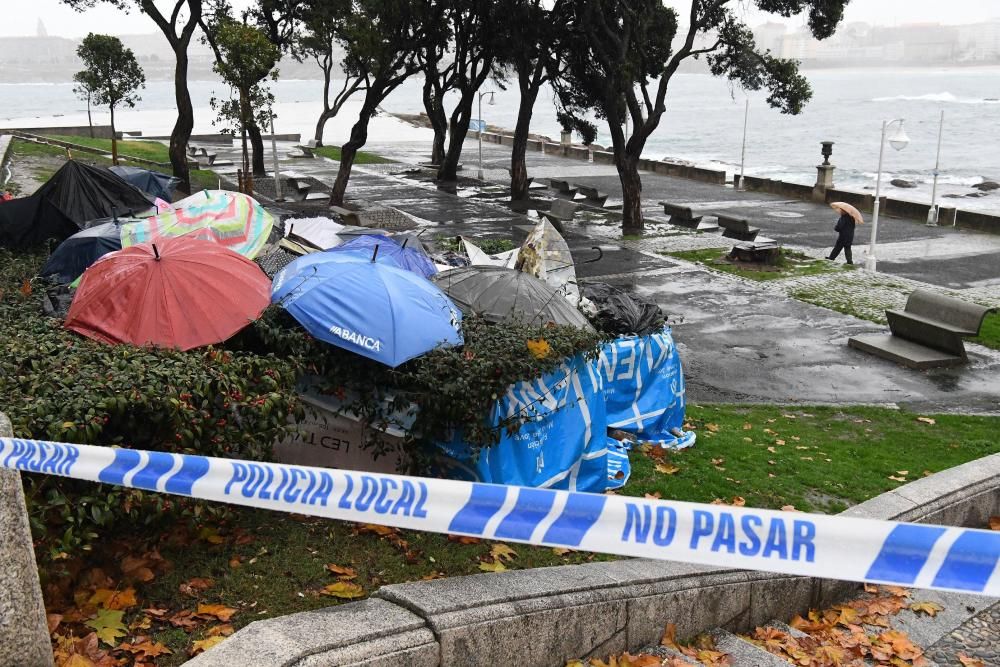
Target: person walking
x: 849, y: 218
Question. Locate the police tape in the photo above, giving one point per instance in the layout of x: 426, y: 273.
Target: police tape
x: 835, y: 547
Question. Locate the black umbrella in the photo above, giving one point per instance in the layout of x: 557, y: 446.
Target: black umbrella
x: 72, y: 257
x: 502, y: 295
x: 152, y: 183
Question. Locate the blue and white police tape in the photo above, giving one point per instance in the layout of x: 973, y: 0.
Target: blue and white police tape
x: 918, y: 555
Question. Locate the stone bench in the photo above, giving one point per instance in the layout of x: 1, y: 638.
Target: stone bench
x: 760, y: 251
x: 564, y: 187
x: 737, y: 228
x: 346, y: 215
x: 927, y: 333
x: 682, y: 216
x: 561, y: 211
x: 591, y: 194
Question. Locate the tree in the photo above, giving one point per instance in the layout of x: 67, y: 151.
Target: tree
x: 245, y: 57
x: 324, y: 23
x: 535, y: 37
x: 84, y: 89
x: 381, y: 39
x: 620, y: 60
x: 113, y: 74
x: 178, y: 31
x: 461, y: 52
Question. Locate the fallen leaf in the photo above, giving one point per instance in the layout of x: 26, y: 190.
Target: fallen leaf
x: 501, y: 552
x: 108, y: 625
x: 897, y: 479
x: 77, y: 660
x: 747, y: 439
x: 806, y: 458
x: 641, y: 660
x: 110, y: 599
x: 747, y: 426
x: 871, y: 588
x: 666, y: 468
x: 926, y: 420
x: 772, y: 450
x: 220, y: 630
x: 539, y: 348
x: 995, y: 523
x: 195, y: 586
x: 146, y: 649
x: 739, y: 501
x: 929, y: 608
x: 53, y: 621
x: 561, y: 551
x: 381, y: 531
x: 205, y: 644
x: 184, y: 619
x: 669, y: 637
x: 344, y: 590
x: 788, y: 416
x: 463, y: 539
x: 789, y: 508
x: 342, y: 573
x: 656, y: 495
x: 714, y: 428
x: 495, y: 566
x: 968, y: 661
x: 26, y: 287
x: 221, y: 612
x: 779, y: 441
x: 210, y: 534
x: 903, y: 473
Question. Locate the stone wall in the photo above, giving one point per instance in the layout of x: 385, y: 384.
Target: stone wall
x: 544, y: 617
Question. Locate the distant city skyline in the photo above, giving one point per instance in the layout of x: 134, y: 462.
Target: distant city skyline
x: 60, y: 20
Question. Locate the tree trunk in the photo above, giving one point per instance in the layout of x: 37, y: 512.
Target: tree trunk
x: 434, y: 107
x: 628, y: 174
x: 257, y: 142
x: 359, y: 137
x: 321, y: 124
x: 456, y: 141
x: 518, y: 170
x: 181, y: 133
x: 90, y: 121
x: 114, y: 138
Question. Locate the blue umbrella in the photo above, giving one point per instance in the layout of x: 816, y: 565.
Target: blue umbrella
x: 72, y: 257
x: 371, y: 308
x: 412, y: 259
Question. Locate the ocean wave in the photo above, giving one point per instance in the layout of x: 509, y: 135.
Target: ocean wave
x: 938, y: 97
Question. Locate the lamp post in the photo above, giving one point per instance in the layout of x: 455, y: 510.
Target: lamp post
x: 481, y: 126
x: 932, y: 214
x: 274, y: 155
x: 743, y: 153
x: 899, y: 141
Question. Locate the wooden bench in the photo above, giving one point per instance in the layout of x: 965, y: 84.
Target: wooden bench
x: 737, y: 228
x: 681, y: 215
x: 561, y: 211
x: 927, y: 333
x: 591, y: 194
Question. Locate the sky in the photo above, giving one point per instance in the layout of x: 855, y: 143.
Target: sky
x: 20, y: 17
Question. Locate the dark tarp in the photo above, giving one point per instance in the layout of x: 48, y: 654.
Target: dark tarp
x: 619, y: 312
x: 75, y: 254
x: 152, y: 183
x: 75, y: 195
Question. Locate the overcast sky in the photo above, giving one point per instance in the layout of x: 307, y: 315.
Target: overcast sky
x: 20, y: 17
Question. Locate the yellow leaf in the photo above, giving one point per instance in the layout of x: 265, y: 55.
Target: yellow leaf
x: 77, y: 660
x: 903, y: 473
x: 926, y: 420
x: 561, y: 551
x: 109, y: 599
x: 575, y: 663
x: 779, y: 441
x: 344, y: 590
x: 995, y: 523
x: 147, y: 649
x: 539, y: 348
x: 68, y: 425
x: 772, y: 450
x: 747, y: 426
x: 897, y: 479
x: 108, y: 625
x: 343, y: 573
x: 501, y: 552
x: 929, y: 608
x: 205, y: 644
x: 219, y: 611
x: 739, y: 501
x: 495, y: 566
x: 714, y: 428
x: 666, y: 468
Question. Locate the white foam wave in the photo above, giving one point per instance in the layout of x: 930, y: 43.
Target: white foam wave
x: 938, y: 97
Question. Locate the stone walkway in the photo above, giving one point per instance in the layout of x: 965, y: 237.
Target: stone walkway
x: 979, y: 637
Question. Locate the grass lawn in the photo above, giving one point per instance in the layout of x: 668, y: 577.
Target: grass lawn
x: 259, y: 564
x: 333, y: 152
x: 989, y: 335
x: 790, y: 265
x: 148, y: 150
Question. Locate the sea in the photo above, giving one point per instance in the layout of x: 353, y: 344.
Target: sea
x: 703, y: 124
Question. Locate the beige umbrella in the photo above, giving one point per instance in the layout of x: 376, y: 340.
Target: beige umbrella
x: 844, y: 207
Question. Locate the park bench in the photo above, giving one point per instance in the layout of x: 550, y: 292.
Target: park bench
x: 209, y: 157
x: 562, y: 187
x: 591, y: 194
x: 681, y: 215
x: 347, y: 216
x: 927, y: 333
x: 737, y: 228
x: 299, y: 189
x: 760, y: 251
x: 561, y: 211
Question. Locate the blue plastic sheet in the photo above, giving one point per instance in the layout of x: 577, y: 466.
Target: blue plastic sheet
x: 644, y: 389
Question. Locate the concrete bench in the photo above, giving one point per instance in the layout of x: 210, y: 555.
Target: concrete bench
x: 737, y: 228
x: 681, y: 215
x: 305, y: 152
x: 209, y: 157
x: 561, y: 211
x: 300, y: 189
x: 563, y: 187
x: 347, y: 216
x: 927, y: 333
x: 591, y: 194
x: 760, y: 251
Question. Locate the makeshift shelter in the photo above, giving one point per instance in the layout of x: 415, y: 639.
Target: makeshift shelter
x: 75, y: 194
x: 179, y: 293
x: 231, y: 219
x: 501, y: 295
x: 153, y: 183
x: 68, y: 261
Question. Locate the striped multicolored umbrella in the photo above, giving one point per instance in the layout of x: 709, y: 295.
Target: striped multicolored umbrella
x: 231, y: 219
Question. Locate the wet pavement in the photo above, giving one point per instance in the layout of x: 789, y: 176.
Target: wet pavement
x: 740, y: 341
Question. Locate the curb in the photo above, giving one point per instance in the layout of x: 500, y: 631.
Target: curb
x: 546, y: 616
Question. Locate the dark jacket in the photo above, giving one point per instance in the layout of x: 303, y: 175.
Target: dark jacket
x: 845, y: 229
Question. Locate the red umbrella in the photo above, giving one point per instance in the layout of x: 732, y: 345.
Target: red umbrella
x: 178, y: 293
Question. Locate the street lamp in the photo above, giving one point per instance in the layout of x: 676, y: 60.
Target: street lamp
x: 932, y: 213
x: 898, y: 141
x: 482, y: 126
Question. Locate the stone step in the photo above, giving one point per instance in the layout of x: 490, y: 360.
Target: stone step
x: 742, y: 653
x: 787, y: 629
x: 666, y: 653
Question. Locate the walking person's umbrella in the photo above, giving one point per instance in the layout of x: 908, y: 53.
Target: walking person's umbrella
x: 412, y: 259
x: 371, y: 308
x: 500, y: 295
x: 844, y: 207
x: 72, y: 257
x: 178, y: 293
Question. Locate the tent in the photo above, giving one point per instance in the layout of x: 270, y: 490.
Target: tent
x: 76, y: 194
x: 152, y: 183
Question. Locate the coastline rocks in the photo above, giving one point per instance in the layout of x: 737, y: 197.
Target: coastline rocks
x: 987, y: 186
x: 902, y: 183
